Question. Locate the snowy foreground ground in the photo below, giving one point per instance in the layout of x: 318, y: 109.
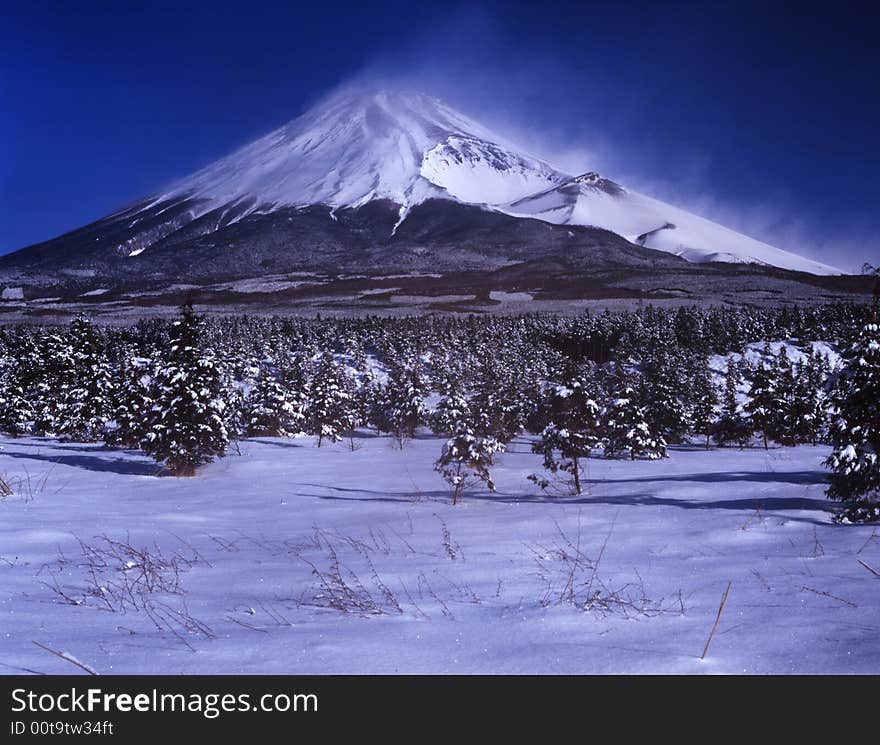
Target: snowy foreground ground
x: 291, y: 559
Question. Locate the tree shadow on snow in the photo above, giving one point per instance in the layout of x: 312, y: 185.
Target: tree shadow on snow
x: 764, y: 504
x: 62, y: 445
x: 375, y: 495
x: 278, y: 442
x: 719, y: 477
x: 120, y: 466
x: 747, y: 505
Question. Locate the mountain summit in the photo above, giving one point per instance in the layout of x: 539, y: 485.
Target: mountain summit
x: 358, y: 147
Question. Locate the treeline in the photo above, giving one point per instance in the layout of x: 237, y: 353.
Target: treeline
x: 628, y: 384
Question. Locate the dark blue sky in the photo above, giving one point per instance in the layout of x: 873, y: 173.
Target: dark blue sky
x: 764, y: 117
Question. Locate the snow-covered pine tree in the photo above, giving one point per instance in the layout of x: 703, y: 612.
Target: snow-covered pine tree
x: 452, y: 413
x: 688, y: 326
x: 87, y: 398
x: 855, y: 429
x: 271, y: 410
x: 55, y: 371
x: 400, y: 407
x: 467, y: 457
x: 497, y: 406
x: 763, y: 401
x: 704, y: 399
x: 788, y: 425
x: 18, y: 380
x: 133, y: 405
x: 16, y: 413
x: 364, y: 392
x: 331, y: 413
x: 294, y: 374
x: 188, y: 426
x: 235, y: 409
x: 793, y: 403
x: 732, y: 426
x: 816, y: 372
x: 574, y: 430
x: 662, y: 394
x: 627, y: 430
x: 355, y: 349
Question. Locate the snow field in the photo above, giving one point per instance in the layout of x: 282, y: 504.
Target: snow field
x: 295, y: 559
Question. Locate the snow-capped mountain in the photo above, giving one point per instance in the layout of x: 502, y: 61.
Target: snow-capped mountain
x: 356, y: 147
x: 381, y: 183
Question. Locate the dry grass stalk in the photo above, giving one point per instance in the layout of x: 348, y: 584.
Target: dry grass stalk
x: 717, y: 619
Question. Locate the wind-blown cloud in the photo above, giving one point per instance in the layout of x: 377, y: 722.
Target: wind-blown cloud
x: 582, y: 119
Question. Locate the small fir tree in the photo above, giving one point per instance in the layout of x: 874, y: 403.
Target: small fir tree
x: 400, y: 407
x: 271, y: 410
x: 498, y: 408
x: 763, y: 402
x: 574, y: 431
x: 331, y: 411
x: 452, y: 412
x: 188, y: 426
x: 466, y: 458
x: 627, y: 430
x: 54, y: 376
x: 732, y: 426
x: 855, y: 429
x: 705, y: 401
x: 18, y: 380
x: 815, y: 379
x: 87, y: 398
x: 133, y: 405
x: 663, y: 397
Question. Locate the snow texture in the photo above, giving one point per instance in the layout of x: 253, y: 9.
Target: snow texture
x: 243, y: 559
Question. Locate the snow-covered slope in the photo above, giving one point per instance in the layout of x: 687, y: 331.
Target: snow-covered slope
x: 360, y: 146
x: 592, y: 200
x: 357, y: 147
